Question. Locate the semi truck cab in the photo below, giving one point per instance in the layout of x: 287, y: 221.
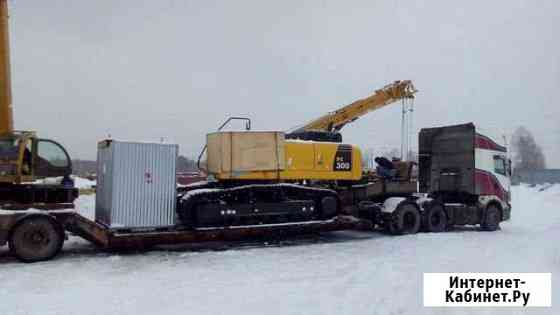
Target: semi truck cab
x: 467, y: 172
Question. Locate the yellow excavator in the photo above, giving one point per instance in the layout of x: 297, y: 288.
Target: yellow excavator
x: 24, y: 157
x: 275, y: 177
x: 311, y: 152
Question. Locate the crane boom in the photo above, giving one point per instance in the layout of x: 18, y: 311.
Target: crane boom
x: 334, y: 121
x: 6, y: 116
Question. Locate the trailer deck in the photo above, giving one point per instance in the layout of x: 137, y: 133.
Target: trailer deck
x: 115, y: 239
x: 119, y: 239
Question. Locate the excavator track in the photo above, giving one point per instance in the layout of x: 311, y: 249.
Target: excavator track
x: 256, y: 204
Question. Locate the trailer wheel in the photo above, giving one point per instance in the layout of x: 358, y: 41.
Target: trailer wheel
x: 435, y: 219
x: 36, y: 239
x: 491, y: 220
x: 405, y: 220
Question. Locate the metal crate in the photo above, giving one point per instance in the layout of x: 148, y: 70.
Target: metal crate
x: 136, y: 184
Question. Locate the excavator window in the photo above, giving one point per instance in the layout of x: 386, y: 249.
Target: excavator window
x: 50, y: 159
x: 8, y: 154
x: 9, y: 149
x: 52, y: 154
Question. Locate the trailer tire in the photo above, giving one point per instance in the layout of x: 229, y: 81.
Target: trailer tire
x: 36, y: 238
x: 405, y: 220
x: 491, y: 220
x: 434, y: 219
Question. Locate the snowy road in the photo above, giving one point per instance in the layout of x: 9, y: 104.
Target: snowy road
x: 344, y: 273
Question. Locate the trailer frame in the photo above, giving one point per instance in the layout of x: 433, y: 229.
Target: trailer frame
x: 70, y: 221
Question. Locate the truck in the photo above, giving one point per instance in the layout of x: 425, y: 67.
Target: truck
x: 463, y: 180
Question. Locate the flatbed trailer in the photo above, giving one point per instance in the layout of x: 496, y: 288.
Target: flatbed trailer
x: 26, y: 231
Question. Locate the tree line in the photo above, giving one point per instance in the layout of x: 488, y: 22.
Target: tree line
x: 527, y: 154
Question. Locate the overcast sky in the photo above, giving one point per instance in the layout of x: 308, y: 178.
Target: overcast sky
x: 144, y: 69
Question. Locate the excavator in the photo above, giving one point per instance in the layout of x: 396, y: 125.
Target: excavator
x: 258, y: 177
x: 26, y: 159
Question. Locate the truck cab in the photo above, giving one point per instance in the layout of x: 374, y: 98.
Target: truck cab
x: 466, y: 171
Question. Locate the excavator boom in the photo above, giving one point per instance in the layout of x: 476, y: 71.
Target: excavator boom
x: 334, y: 121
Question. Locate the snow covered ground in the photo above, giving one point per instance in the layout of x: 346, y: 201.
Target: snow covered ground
x: 341, y: 273
x: 83, y: 183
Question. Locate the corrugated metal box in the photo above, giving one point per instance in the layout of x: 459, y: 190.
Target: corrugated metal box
x: 245, y: 151
x: 136, y: 185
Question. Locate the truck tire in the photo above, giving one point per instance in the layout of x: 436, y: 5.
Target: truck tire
x: 36, y: 238
x: 405, y: 220
x: 434, y: 219
x: 491, y: 220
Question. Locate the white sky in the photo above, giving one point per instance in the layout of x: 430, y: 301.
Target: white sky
x: 142, y: 70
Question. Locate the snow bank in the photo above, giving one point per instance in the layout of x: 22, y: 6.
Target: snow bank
x: 79, y: 182
x: 83, y: 183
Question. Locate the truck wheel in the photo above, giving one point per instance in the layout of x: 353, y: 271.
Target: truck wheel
x: 405, y: 220
x: 435, y: 219
x: 491, y: 220
x: 35, y: 239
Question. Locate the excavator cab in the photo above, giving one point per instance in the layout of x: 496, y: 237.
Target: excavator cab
x: 25, y: 158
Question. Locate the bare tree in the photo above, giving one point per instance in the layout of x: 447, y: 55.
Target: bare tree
x: 528, y: 155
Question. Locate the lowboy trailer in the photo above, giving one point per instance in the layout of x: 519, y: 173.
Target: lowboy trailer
x: 463, y: 180
x: 39, y: 235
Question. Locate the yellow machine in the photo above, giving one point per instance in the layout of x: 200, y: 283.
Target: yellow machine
x: 312, y: 152
x: 277, y: 177
x: 269, y: 156
x: 23, y: 156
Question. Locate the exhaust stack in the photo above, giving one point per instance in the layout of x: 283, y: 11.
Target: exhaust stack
x: 6, y: 114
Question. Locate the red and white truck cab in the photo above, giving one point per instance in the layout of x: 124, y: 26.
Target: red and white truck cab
x: 463, y: 179
x: 467, y: 173
x: 493, y: 172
